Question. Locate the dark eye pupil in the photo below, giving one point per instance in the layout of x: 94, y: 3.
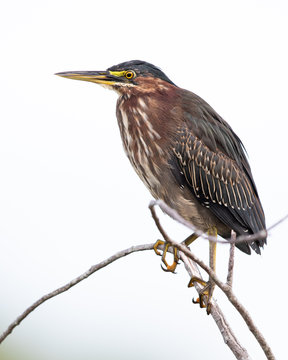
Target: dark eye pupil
x: 129, y: 75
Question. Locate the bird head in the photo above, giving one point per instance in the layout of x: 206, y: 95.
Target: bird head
x: 124, y: 77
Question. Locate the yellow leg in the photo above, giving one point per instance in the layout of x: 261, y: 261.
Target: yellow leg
x: 188, y: 241
x: 196, y: 279
x: 206, y: 293
x: 156, y: 245
x: 212, y: 264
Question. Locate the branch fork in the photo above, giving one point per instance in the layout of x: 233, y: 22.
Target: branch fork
x: 190, y: 262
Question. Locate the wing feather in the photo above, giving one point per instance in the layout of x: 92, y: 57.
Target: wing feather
x: 220, y: 184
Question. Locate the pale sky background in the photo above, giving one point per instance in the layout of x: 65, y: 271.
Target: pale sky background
x: 69, y: 197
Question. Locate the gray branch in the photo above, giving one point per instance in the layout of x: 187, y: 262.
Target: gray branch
x: 232, y: 298
x: 72, y: 283
x: 226, y: 288
x: 192, y: 269
x: 262, y: 234
x: 229, y: 280
x: 190, y: 261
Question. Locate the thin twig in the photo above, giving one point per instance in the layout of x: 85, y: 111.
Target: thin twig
x: 229, y: 280
x: 224, y: 287
x: 262, y: 234
x: 225, y: 329
x: 236, y: 349
x: 72, y: 283
x: 218, y: 316
x: 229, y: 337
x: 157, y: 222
x: 231, y: 297
x: 278, y: 222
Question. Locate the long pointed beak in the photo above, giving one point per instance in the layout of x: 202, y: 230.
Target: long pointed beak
x: 99, y: 77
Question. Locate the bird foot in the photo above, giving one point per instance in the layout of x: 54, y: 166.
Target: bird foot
x: 205, y: 294
x: 168, y: 268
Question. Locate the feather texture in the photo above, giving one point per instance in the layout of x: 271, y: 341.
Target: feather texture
x: 214, y: 165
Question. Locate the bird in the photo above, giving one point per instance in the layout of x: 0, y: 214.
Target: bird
x: 186, y: 154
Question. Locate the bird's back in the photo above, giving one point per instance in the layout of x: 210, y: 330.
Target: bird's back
x: 211, y: 159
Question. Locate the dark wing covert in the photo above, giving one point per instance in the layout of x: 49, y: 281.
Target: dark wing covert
x: 211, y: 159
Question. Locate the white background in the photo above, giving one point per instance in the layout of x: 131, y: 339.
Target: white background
x: 69, y: 197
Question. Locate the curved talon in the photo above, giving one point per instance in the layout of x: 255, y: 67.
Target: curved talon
x: 168, y: 269
x: 172, y: 267
x: 198, y: 280
x: 205, y: 294
x: 202, y: 301
x: 155, y: 247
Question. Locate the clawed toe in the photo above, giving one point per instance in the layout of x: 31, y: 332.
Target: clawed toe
x: 167, y: 268
x: 205, y: 294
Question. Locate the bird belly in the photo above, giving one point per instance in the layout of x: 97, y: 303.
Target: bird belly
x: 161, y: 186
x: 189, y: 208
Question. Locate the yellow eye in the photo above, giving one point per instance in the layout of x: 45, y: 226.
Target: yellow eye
x: 130, y: 74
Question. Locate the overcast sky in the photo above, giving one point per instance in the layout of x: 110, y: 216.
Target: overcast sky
x: 69, y: 197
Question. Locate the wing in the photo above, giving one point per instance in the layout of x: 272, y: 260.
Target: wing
x: 210, y: 158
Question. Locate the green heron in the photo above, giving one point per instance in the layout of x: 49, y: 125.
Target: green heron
x: 185, y: 153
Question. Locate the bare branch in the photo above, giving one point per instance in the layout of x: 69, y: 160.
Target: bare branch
x: 225, y: 329
x: 190, y: 261
x: 226, y: 288
x: 72, y: 283
x: 262, y: 234
x: 229, y: 338
x: 231, y: 297
x: 228, y: 335
x: 218, y: 316
x: 278, y: 222
x: 157, y: 221
x: 229, y: 280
